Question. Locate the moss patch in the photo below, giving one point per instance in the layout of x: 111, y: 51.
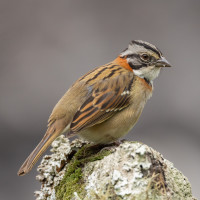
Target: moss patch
x: 72, y: 181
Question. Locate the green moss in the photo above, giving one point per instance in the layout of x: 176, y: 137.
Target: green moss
x: 72, y: 180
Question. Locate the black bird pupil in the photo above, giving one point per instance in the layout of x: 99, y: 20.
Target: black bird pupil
x: 145, y: 56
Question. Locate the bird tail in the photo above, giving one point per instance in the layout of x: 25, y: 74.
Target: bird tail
x: 46, y: 141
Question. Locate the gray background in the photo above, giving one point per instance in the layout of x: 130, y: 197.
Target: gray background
x: 45, y: 45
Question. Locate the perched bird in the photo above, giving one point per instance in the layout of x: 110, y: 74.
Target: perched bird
x: 104, y: 104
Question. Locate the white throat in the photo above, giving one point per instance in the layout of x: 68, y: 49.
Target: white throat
x: 150, y: 73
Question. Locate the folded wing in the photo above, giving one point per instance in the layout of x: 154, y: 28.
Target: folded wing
x: 107, y: 97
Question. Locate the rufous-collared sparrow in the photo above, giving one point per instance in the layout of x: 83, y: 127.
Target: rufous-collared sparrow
x: 104, y: 104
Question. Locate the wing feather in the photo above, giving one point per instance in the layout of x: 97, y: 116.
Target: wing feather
x: 107, y: 97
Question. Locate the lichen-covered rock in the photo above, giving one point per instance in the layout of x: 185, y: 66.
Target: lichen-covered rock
x: 52, y: 168
x: 82, y: 171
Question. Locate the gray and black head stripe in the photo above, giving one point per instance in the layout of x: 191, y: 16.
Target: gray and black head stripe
x: 147, y: 46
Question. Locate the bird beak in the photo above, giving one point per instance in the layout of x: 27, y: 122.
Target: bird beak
x: 162, y: 62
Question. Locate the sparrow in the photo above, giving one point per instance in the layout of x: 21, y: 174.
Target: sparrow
x: 104, y: 104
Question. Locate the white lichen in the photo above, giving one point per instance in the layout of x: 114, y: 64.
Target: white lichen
x: 52, y: 168
x: 131, y: 171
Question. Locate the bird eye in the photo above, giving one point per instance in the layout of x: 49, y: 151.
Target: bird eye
x: 145, y: 57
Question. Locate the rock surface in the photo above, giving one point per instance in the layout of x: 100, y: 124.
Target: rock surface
x: 132, y: 170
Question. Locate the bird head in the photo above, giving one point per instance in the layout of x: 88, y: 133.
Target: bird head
x: 145, y: 59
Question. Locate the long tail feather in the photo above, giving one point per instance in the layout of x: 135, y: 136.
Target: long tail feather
x: 38, y: 151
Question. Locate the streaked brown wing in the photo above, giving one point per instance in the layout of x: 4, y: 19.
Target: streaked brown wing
x: 106, y: 98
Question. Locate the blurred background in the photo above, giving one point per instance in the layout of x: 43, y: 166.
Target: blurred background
x: 46, y: 45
